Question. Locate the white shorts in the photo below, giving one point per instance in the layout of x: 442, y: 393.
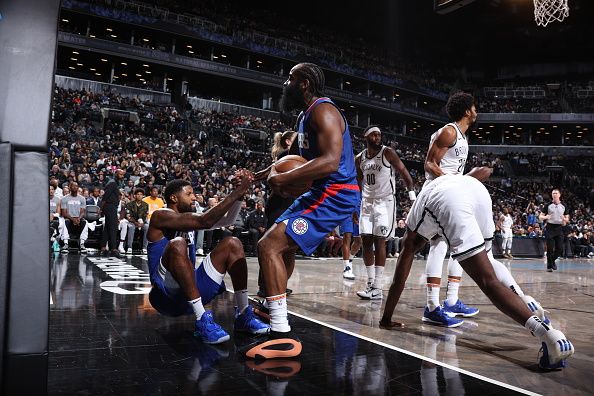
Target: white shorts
x: 458, y: 208
x: 507, y: 233
x: 378, y: 217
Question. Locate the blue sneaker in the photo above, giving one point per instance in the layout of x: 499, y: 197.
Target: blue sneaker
x: 459, y: 309
x: 439, y: 317
x: 248, y: 323
x: 208, y: 331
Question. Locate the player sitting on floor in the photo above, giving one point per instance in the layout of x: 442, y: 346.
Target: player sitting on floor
x: 179, y: 286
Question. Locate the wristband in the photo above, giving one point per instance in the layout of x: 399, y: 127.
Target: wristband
x: 412, y: 195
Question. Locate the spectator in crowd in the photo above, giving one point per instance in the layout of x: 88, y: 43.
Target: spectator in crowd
x: 256, y: 224
x: 394, y: 242
x: 73, y: 208
x: 153, y: 201
x: 95, y: 197
x: 137, y: 215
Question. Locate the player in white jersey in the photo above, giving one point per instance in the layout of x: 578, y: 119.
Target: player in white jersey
x: 466, y: 222
x: 447, y: 155
x: 505, y: 223
x: 376, y: 173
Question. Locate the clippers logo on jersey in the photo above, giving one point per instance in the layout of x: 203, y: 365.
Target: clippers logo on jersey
x: 300, y: 226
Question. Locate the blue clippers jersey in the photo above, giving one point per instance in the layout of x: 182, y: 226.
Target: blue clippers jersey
x: 308, y: 148
x: 155, y: 250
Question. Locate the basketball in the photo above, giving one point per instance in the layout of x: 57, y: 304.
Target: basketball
x: 287, y: 163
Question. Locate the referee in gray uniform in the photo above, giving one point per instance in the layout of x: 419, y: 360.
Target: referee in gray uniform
x: 556, y: 215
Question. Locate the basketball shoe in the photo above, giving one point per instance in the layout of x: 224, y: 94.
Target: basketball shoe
x: 459, y: 309
x: 208, y: 331
x: 348, y: 273
x: 555, y: 349
x: 248, y: 323
x: 439, y: 317
x: 371, y: 293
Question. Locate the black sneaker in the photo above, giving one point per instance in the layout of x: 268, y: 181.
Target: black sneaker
x: 273, y: 346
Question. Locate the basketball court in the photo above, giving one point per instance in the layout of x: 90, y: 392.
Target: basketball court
x: 105, y: 338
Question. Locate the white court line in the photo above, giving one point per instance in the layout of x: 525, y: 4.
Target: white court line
x: 413, y: 354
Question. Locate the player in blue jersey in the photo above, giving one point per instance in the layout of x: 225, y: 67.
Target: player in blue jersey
x: 179, y: 286
x: 323, y: 138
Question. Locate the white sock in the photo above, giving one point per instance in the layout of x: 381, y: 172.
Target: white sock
x: 347, y: 263
x: 379, y: 273
x: 241, y: 300
x: 536, y: 326
x: 432, y: 296
x: 370, y: 273
x: 197, y: 307
x: 278, y: 313
x: 452, y: 291
x: 504, y: 275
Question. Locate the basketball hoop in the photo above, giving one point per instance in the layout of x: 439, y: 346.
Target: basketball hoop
x: 547, y: 11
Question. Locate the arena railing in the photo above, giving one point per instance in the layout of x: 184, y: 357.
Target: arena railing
x: 80, y: 84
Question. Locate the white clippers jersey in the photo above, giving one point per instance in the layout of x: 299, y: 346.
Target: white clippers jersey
x: 454, y: 159
x: 379, y: 180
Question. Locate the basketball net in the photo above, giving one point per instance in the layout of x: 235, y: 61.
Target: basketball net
x: 547, y: 11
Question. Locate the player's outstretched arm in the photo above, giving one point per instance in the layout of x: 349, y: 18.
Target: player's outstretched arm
x: 481, y: 173
x: 411, y: 243
x: 168, y: 219
x: 445, y: 138
x: 330, y: 125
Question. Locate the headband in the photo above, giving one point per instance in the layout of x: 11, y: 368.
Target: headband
x: 371, y: 130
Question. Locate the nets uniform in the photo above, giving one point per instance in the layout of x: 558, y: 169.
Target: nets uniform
x: 465, y: 221
x: 331, y: 200
x: 506, y: 232
x: 166, y: 295
x: 454, y: 159
x: 378, y: 203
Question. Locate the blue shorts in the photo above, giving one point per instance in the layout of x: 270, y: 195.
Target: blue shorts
x: 350, y: 226
x: 172, y: 302
x: 317, y: 212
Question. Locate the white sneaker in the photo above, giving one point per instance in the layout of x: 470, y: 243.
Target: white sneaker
x: 555, y: 349
x: 64, y: 248
x: 83, y: 249
x: 348, y: 273
x: 200, y: 252
x: 121, y: 249
x: 536, y: 309
x: 371, y: 293
x: 129, y: 251
x: 144, y: 251
x: 396, y: 255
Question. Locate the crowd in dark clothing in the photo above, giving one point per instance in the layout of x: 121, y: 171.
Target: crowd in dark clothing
x: 206, y: 148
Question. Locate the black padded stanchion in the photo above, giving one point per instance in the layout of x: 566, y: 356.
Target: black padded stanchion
x: 27, y: 60
x: 28, y: 296
x: 6, y: 197
x: 29, y: 31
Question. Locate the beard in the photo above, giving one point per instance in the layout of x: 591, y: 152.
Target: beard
x: 373, y: 145
x: 291, y: 99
